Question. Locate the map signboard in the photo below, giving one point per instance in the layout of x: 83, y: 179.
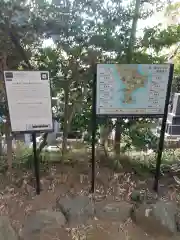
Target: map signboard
x: 29, y: 100
x: 131, y: 89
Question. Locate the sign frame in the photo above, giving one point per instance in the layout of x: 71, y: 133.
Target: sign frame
x: 162, y: 133
x: 34, y: 130
x: 130, y: 115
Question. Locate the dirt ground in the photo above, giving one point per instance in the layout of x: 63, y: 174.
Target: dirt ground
x: 18, y: 198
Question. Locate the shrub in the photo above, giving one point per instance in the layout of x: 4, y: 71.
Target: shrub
x: 23, y: 156
x: 143, y: 163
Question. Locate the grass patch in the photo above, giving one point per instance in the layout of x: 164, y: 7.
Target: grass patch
x: 141, y: 163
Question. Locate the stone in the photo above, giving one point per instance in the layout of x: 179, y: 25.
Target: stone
x: 6, y: 230
x: 53, y: 234
x: 176, y: 104
x: 77, y: 210
x: 178, y: 220
x: 140, y: 196
x: 104, y: 230
x: 51, y: 139
x: 157, y: 219
x: 38, y: 221
x: 115, y: 211
x: 173, y: 118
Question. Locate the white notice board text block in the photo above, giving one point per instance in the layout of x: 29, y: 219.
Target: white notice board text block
x: 29, y: 100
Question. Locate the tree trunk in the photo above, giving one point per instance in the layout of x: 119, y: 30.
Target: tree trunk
x: 9, y: 146
x: 104, y: 133
x: 129, y: 60
x: 65, y: 128
x: 133, y: 31
x: 68, y: 115
x: 3, y: 67
x: 101, y: 131
x: 117, y: 139
x: 1, y: 147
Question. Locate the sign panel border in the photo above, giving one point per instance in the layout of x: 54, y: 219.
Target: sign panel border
x: 130, y: 115
x: 50, y: 130
x: 133, y: 116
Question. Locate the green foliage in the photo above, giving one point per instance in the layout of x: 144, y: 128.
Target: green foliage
x: 136, y: 196
x: 49, y: 59
x: 144, y: 164
x: 82, y: 39
x: 176, y: 80
x: 84, y: 33
x: 142, y: 137
x: 23, y: 156
x: 157, y: 39
x: 148, y: 163
x: 177, y: 64
x: 50, y: 156
x: 81, y: 121
x: 18, y: 19
x: 173, y: 12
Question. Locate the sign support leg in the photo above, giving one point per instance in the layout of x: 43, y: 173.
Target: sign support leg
x: 36, y: 164
x: 163, y: 129
x: 93, y: 140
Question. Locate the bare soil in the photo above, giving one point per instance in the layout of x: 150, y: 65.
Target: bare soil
x: 18, y: 198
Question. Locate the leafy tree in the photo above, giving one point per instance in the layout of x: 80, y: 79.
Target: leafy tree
x: 84, y: 32
x: 82, y: 41
x: 172, y: 13
x: 173, y: 18
x: 97, y: 31
x: 18, y: 31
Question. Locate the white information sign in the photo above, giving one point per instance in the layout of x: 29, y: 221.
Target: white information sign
x: 29, y: 100
x: 131, y: 89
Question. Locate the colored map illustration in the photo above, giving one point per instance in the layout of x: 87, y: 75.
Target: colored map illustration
x: 131, y: 88
x: 133, y: 78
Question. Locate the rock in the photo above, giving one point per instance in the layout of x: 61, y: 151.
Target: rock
x: 6, y: 230
x: 77, y: 210
x: 40, y: 220
x: 158, y: 218
x: 53, y: 234
x: 144, y: 196
x: 101, y: 230
x: 116, y: 211
x: 178, y: 220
